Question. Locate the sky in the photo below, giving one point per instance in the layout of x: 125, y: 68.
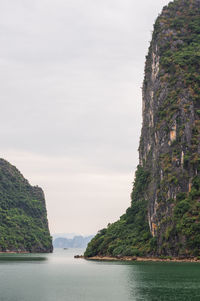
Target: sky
x: 71, y: 73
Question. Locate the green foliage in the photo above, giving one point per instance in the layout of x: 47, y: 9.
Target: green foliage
x: 23, y: 218
x: 186, y: 218
x: 181, y: 208
x: 141, y: 182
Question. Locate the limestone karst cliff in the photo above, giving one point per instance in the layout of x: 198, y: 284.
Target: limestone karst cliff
x: 23, y: 216
x: 164, y: 217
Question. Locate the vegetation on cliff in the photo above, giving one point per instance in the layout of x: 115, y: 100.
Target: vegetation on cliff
x: 164, y: 217
x: 23, y: 216
x: 130, y: 236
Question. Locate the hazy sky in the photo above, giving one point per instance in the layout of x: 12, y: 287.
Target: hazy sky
x: 71, y: 73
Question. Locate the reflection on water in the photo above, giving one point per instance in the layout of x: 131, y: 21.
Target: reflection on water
x: 21, y: 257
x: 164, y: 281
x: 60, y: 277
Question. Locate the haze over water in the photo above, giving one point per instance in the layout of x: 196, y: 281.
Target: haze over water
x: 60, y: 277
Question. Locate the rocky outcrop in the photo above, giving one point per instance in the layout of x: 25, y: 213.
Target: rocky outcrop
x: 170, y: 139
x: 23, y: 216
x: 169, y: 151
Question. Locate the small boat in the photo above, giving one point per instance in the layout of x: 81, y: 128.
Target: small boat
x: 65, y: 248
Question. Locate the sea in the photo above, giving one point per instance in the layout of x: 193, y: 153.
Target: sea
x: 60, y: 277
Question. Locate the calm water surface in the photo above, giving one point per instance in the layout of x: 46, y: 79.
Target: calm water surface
x: 60, y: 277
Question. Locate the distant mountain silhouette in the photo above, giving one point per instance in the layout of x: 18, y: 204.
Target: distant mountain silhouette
x: 65, y: 235
x: 75, y: 242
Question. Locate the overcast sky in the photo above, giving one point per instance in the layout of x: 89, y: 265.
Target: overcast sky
x: 71, y: 73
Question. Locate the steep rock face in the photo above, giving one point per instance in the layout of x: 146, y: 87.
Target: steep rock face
x: 170, y: 140
x: 23, y: 216
x: 167, y: 185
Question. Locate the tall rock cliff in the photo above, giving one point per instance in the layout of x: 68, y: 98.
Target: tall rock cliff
x: 164, y: 217
x: 23, y: 216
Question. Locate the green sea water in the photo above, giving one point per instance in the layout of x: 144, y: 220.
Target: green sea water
x: 60, y: 277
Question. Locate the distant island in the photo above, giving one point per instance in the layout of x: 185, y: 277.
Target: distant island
x: 164, y: 217
x: 75, y: 242
x: 23, y: 215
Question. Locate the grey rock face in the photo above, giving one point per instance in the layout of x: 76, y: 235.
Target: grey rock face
x: 170, y: 144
